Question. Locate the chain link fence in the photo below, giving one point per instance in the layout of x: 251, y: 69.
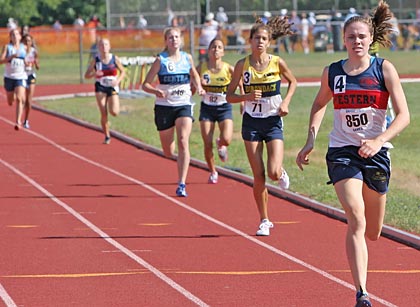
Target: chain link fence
x: 161, y: 13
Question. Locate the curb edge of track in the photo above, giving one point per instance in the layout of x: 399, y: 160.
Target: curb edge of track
x: 389, y: 232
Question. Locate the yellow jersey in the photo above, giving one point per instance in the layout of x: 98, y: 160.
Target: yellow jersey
x: 268, y: 81
x: 216, y: 84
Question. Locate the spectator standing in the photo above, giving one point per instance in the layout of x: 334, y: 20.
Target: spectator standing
x: 393, y: 36
x: 11, y: 24
x: 142, y: 22
x: 79, y: 23
x: 209, y: 30
x: 335, y: 31
x: 305, y: 33
x: 312, y: 20
x: 358, y: 160
x: 352, y: 12
x: 171, y: 16
x: 285, y: 40
x: 95, y: 22
x: 182, y: 24
x: 221, y: 16
x: 92, y: 25
x: 57, y: 25
x: 405, y: 34
x: 296, y: 27
x: 266, y: 17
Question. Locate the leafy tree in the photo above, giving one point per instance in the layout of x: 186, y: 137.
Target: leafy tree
x: 45, y: 12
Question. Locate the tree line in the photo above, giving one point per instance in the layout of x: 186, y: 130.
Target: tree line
x: 46, y: 12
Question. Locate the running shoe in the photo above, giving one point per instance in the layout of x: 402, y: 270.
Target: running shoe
x: 264, y: 229
x: 107, y: 140
x: 26, y: 124
x: 284, y: 181
x: 362, y: 300
x: 222, y: 151
x: 181, y: 191
x: 213, y: 177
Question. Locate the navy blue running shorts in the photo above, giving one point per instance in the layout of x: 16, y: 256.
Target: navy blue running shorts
x: 31, y: 79
x: 262, y: 129
x: 109, y: 91
x: 345, y: 162
x: 166, y: 116
x: 11, y: 84
x: 215, y: 113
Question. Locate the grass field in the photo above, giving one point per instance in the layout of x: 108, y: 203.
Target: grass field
x: 403, y: 208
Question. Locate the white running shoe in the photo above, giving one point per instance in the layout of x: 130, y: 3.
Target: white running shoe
x: 284, y: 181
x: 213, y: 178
x: 264, y: 229
x: 26, y: 124
x: 222, y: 151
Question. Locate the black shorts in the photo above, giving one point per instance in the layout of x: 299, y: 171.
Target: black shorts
x: 109, y: 91
x: 262, y: 129
x: 215, y: 113
x: 345, y: 162
x: 166, y: 116
x: 31, y: 79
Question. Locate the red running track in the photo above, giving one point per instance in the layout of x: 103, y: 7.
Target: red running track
x: 84, y: 224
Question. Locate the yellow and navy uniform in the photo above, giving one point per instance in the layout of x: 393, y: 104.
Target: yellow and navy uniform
x: 268, y: 81
x: 216, y: 84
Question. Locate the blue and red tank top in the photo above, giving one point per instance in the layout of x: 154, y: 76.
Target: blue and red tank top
x: 110, y: 70
x: 360, y: 103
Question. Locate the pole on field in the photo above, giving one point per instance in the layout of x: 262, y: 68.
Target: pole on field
x: 81, y: 55
x: 192, y: 42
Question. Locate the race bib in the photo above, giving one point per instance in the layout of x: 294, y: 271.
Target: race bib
x: 355, y: 120
x: 258, y: 108
x: 177, y: 94
x: 107, y: 81
x: 214, y: 99
x: 17, y: 63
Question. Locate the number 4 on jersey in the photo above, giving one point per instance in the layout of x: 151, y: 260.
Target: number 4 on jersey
x: 339, y: 84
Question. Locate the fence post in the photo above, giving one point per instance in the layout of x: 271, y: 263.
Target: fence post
x: 80, y: 33
x: 192, y: 39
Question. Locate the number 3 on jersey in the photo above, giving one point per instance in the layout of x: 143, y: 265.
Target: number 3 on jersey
x: 339, y: 84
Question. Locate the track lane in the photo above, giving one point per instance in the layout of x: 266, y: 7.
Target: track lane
x: 191, y: 235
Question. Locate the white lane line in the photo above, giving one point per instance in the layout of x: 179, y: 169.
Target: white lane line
x: 106, y: 237
x: 6, y: 298
x: 209, y: 218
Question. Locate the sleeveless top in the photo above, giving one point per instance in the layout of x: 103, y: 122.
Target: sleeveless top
x: 110, y: 71
x: 360, y: 104
x: 30, y: 59
x: 15, y: 69
x: 217, y: 84
x: 268, y: 81
x: 174, y: 80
